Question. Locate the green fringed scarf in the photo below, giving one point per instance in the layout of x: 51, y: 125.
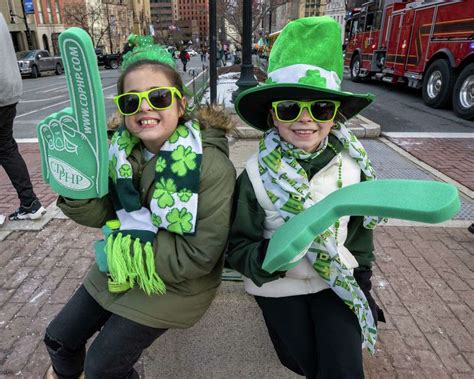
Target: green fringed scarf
x: 129, y: 250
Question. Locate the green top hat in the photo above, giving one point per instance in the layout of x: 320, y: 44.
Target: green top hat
x: 305, y: 62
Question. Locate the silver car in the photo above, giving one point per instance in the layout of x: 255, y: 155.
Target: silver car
x: 34, y: 62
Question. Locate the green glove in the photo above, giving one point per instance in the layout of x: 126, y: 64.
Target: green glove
x: 73, y: 141
x: 416, y: 200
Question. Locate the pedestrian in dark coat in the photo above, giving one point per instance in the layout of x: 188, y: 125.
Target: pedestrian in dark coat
x: 11, y: 88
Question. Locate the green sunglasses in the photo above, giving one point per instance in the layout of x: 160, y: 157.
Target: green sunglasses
x: 319, y: 110
x: 159, y: 98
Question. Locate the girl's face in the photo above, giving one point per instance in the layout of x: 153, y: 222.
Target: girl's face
x: 304, y: 133
x: 151, y: 126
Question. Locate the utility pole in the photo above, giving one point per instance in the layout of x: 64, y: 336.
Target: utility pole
x: 109, y: 32
x: 270, y: 20
x: 25, y: 20
x: 213, y: 50
x: 247, y: 79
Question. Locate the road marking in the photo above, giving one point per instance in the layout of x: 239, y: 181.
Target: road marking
x: 41, y: 109
x: 26, y: 140
x: 428, y: 135
x: 55, y: 105
x: 36, y: 89
x: 36, y: 100
x: 54, y: 89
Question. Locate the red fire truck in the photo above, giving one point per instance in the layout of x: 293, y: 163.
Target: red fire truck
x: 423, y: 44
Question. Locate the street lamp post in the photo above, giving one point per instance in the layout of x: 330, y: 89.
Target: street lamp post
x: 247, y: 79
x: 213, y: 50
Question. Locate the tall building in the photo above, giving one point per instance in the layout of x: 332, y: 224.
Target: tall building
x: 282, y: 15
x: 337, y: 10
x: 141, y: 17
x: 118, y: 15
x: 194, y: 17
x: 291, y: 10
x: 49, y: 24
x: 314, y: 8
x: 162, y: 16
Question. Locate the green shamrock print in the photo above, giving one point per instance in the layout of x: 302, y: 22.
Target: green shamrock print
x: 156, y: 220
x: 126, y: 142
x: 112, y: 169
x: 125, y: 171
x: 184, y: 195
x: 160, y: 164
x: 185, y: 159
x: 196, y: 126
x: 181, y: 131
x: 180, y: 221
x: 314, y: 78
x: 163, y: 191
x: 114, y: 138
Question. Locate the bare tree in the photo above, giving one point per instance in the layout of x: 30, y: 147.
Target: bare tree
x: 93, y: 19
x: 231, y: 11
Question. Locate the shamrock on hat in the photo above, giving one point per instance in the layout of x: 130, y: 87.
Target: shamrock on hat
x: 305, y: 63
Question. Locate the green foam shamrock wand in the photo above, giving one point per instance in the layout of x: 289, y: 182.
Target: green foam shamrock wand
x: 415, y: 200
x: 73, y: 141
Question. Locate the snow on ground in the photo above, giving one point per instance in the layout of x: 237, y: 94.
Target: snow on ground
x: 225, y: 87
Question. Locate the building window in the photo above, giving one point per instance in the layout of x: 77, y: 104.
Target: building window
x: 58, y: 13
x: 50, y: 12
x: 40, y: 11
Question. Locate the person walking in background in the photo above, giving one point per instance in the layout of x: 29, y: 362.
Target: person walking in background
x: 184, y: 56
x: 11, y: 88
x: 203, y: 54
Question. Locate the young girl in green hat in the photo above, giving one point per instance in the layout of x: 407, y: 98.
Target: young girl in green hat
x: 171, y: 185
x: 317, y: 315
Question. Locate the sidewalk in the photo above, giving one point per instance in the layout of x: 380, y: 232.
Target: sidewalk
x: 423, y: 278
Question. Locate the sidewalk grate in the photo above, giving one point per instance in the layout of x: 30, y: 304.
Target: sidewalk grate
x: 391, y: 165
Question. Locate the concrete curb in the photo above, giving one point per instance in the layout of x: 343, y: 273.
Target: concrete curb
x: 463, y: 189
x: 29, y: 225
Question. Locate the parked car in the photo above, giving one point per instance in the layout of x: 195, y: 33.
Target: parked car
x: 108, y: 60
x: 34, y: 62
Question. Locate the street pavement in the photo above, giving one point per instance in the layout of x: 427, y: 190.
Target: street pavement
x: 423, y: 276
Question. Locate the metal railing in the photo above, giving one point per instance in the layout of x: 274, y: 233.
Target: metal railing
x: 198, y: 85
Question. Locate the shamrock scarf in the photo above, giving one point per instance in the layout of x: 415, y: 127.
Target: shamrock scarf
x: 287, y: 185
x: 173, y: 207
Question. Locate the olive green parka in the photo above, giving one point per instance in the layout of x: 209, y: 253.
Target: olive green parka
x: 190, y: 266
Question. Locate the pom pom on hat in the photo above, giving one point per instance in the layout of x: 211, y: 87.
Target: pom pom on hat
x: 144, y: 48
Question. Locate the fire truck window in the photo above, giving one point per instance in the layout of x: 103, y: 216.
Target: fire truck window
x: 369, y: 25
x: 360, y: 26
x: 355, y: 27
x: 378, y: 20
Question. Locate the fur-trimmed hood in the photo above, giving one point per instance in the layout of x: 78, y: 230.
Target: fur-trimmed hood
x: 215, y: 123
x: 215, y: 117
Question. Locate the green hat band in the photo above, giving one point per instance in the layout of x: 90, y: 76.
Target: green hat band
x: 305, y: 74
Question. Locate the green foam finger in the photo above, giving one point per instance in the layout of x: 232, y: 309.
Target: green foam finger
x: 73, y: 141
x: 414, y: 200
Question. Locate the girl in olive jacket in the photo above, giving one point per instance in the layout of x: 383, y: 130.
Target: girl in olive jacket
x: 171, y: 186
